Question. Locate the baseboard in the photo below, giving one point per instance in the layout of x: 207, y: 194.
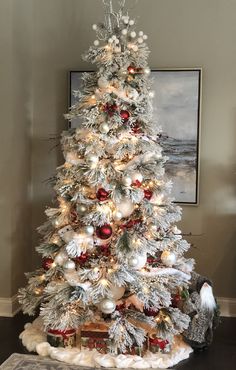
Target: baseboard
x: 9, y: 306
x: 227, y: 306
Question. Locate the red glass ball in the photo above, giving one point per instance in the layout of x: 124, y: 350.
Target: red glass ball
x: 47, y: 263
x: 124, y: 115
x: 82, y: 258
x: 102, y: 194
x: 104, y: 232
x: 176, y: 300
x: 147, y: 194
x: 105, y: 247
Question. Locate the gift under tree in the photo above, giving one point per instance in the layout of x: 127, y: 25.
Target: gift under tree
x: 112, y: 256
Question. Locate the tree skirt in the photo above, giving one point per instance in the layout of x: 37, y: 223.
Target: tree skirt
x: 35, y: 340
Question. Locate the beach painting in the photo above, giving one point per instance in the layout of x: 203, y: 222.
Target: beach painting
x: 176, y: 108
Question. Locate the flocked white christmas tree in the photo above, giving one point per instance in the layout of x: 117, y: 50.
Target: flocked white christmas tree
x: 111, y: 249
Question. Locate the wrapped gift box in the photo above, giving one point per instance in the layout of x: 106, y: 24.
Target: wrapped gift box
x: 61, y: 338
x: 95, y: 336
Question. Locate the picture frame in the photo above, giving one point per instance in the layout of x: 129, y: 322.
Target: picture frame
x: 177, y: 109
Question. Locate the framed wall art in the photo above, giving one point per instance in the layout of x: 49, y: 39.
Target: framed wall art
x: 176, y: 108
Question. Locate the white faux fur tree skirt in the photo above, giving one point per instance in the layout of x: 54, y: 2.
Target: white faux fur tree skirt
x: 34, y: 339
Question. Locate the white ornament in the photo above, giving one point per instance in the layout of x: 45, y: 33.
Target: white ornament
x: 152, y: 227
x: 140, y: 33
x: 66, y: 233
x: 110, y: 40
x: 124, y: 31
x: 145, y: 37
x: 96, y: 42
x: 126, y: 20
x: 135, y: 48
x: 151, y: 94
x: 133, y: 34
x: 133, y: 94
x: 92, y: 159
x: 94, y: 27
x: 61, y: 258
x: 117, y: 41
x: 137, y: 176
x: 131, y: 22
x: 117, y: 215
x: 117, y: 292
x: 104, y: 128
x: 103, y: 82
x: 127, y: 180
x: 69, y: 265
x: 113, y: 37
x: 88, y: 230
x: 125, y: 206
x: 168, y: 258
x: 137, y: 261
x: 107, y: 306
x: 140, y: 40
x: 81, y: 209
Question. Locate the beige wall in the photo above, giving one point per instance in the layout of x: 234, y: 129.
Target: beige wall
x: 182, y: 33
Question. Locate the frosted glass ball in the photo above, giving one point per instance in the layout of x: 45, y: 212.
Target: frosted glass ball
x: 69, y: 265
x: 103, y: 82
x: 107, y: 306
x: 127, y: 180
x: 104, y: 128
x: 137, y: 261
x: 125, y: 206
x: 117, y: 215
x: 117, y: 292
x: 168, y: 258
x: 88, y: 230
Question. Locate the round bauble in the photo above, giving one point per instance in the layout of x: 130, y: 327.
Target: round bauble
x: 137, y: 176
x: 103, y: 82
x: 69, y: 265
x: 168, y: 258
x: 137, y: 261
x: 147, y: 194
x: 140, y: 33
x: 127, y: 180
x: 152, y: 227
x: 133, y: 34
x: 133, y: 94
x: 124, y: 31
x: 140, y: 40
x: 82, y: 258
x: 135, y: 48
x: 104, y: 128
x: 104, y: 232
x: 61, y: 258
x: 96, y: 42
x: 151, y: 94
x: 131, y: 22
x: 125, y: 206
x: 47, y: 263
x: 147, y: 71
x: 81, y: 209
x: 124, y: 115
x: 92, y: 159
x: 102, y: 194
x: 88, y: 230
x: 122, y: 72
x: 117, y: 292
x: 107, y: 306
x: 145, y: 37
x: 117, y: 215
x: 94, y: 27
x: 72, y: 158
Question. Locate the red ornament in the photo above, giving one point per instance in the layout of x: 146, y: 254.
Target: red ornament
x: 47, y: 263
x: 102, y: 194
x: 176, y: 300
x: 137, y: 183
x: 104, y: 232
x: 136, y: 129
x: 82, y: 258
x: 148, y: 194
x: 150, y: 312
x: 131, y: 69
x: 158, y: 342
x: 124, y: 115
x: 105, y: 247
x: 110, y: 109
x: 131, y: 223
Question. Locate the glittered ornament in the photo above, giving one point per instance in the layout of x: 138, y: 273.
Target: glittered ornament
x: 47, y: 263
x: 104, y: 232
x: 147, y: 194
x: 124, y: 115
x: 107, y: 305
x: 102, y: 194
x: 168, y: 258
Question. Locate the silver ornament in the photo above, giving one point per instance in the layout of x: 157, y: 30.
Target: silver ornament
x: 69, y: 265
x: 107, y: 306
x: 96, y: 42
x: 81, y: 209
x: 138, y: 261
x: 117, y: 215
x: 133, y: 261
x: 127, y: 180
x: 133, y: 34
x: 104, y: 128
x: 88, y: 230
x: 61, y: 258
x: 168, y: 258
